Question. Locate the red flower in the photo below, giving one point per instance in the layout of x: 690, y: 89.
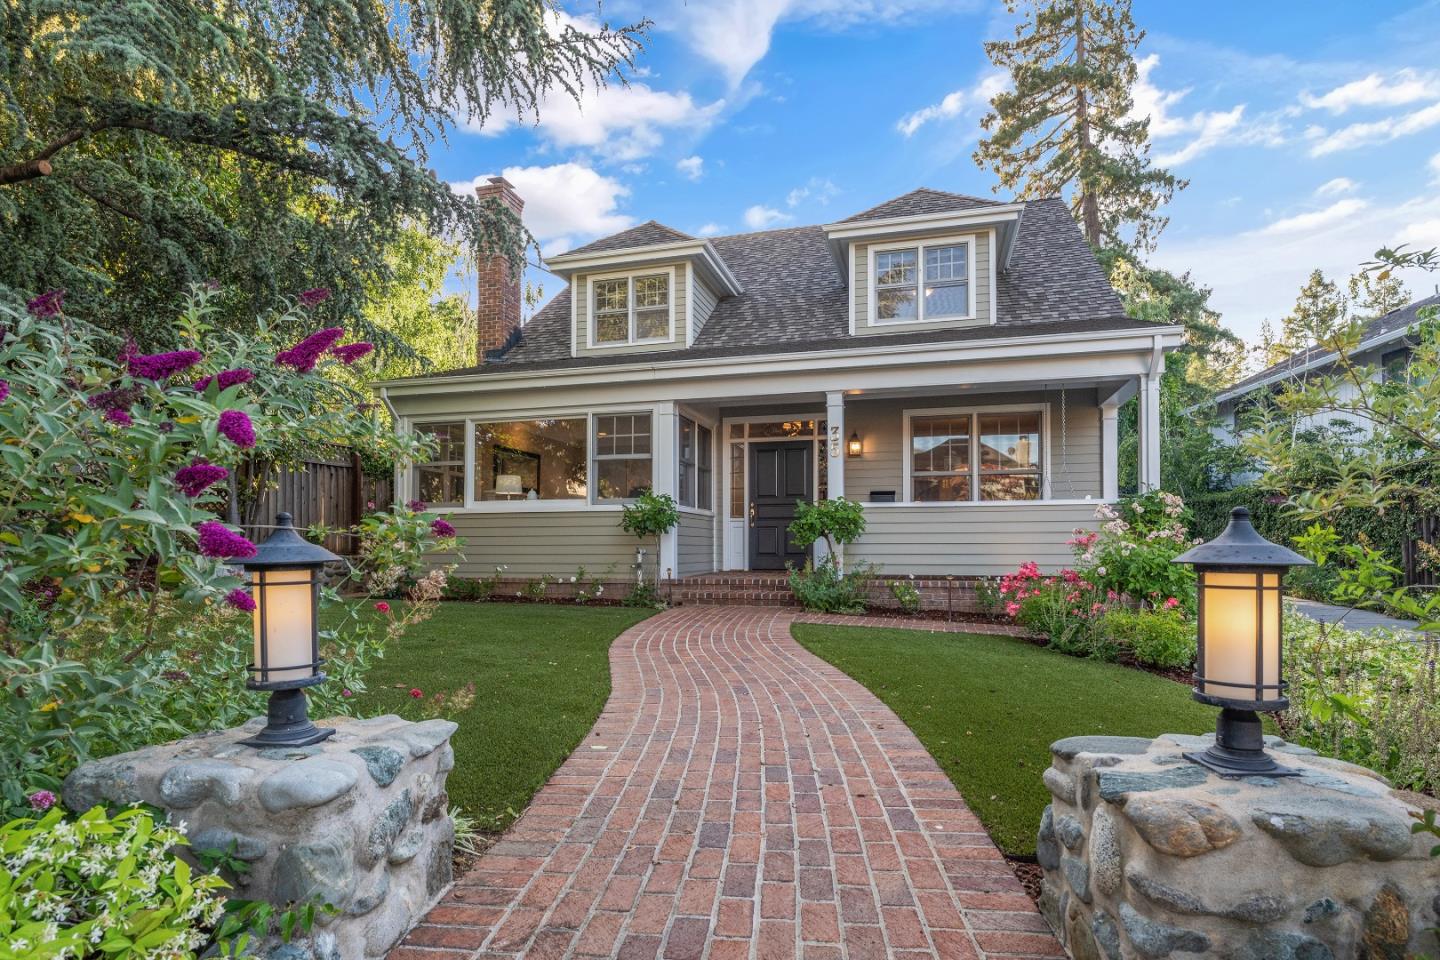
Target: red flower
x: 217, y: 540
x: 383, y: 607
x: 240, y: 599
x: 351, y: 352
x: 159, y: 366
x: 442, y: 528
x: 235, y: 426
x: 304, y: 355
x: 415, y: 693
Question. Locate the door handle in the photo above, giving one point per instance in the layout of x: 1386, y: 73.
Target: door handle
x: 752, y: 513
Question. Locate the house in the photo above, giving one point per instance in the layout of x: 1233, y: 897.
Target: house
x: 1385, y: 345
x: 953, y: 363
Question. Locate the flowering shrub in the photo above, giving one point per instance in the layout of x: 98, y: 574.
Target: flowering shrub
x: 98, y: 886
x: 826, y: 589
x: 906, y: 595
x: 1131, y: 553
x: 1066, y: 608
x: 393, y: 546
x: 1156, y: 638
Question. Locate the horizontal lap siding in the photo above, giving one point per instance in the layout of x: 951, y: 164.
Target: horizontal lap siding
x: 532, y: 544
x: 703, y: 304
x: 969, y: 540
x: 580, y: 287
x: 696, y: 544
x: 979, y: 290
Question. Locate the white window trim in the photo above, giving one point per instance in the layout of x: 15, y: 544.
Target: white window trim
x: 873, y: 303
x: 716, y: 454
x: 416, y: 427
x: 591, y: 457
x: 629, y: 276
x: 908, y: 461
x: 735, y: 532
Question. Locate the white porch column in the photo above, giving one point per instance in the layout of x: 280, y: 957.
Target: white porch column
x: 1110, y: 451
x: 834, y: 454
x: 1149, y: 432
x: 665, y: 467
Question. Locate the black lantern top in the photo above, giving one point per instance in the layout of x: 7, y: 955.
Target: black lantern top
x: 286, y: 548
x: 1240, y: 545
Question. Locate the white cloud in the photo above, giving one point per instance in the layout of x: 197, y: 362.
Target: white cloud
x: 818, y: 189
x: 1377, y: 131
x: 1435, y: 167
x: 1374, y: 90
x: 693, y: 168
x: 969, y: 101
x: 709, y: 230
x: 735, y: 34
x: 1314, y: 220
x: 1256, y: 274
x: 564, y: 203
x: 618, y: 122
x: 1334, y: 188
x: 1206, y: 129
x: 761, y: 217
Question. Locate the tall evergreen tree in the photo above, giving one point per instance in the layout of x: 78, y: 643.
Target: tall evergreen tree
x: 1066, y: 127
x: 1372, y: 295
x: 271, y: 145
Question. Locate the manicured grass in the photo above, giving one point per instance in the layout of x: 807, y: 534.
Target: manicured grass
x: 988, y: 708
x: 541, y: 675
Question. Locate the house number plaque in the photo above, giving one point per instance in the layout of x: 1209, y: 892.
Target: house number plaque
x: 834, y: 441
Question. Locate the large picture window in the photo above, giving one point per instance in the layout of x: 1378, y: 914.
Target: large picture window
x: 922, y: 282
x: 541, y: 459
x: 631, y: 309
x: 982, y: 455
x: 441, y: 481
x: 622, y: 456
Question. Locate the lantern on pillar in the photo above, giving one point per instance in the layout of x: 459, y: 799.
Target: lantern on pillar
x: 1238, y: 664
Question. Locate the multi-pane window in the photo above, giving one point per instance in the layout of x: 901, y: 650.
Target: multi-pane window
x: 622, y: 455
x: 737, y: 477
x: 923, y: 282
x: 968, y: 456
x: 695, y: 458
x: 632, y: 309
x: 441, y: 480
x: 540, y: 459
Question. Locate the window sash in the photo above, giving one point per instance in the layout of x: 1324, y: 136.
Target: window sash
x: 449, y: 471
x: 626, y: 449
x: 975, y: 475
x: 643, y: 301
x: 921, y: 283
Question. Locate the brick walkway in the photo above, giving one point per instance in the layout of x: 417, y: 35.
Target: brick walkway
x: 738, y: 798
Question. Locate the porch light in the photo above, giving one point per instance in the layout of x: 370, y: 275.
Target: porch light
x: 1238, y: 662
x: 285, y: 585
x: 855, y: 446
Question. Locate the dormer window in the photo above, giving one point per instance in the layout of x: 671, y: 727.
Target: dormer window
x: 919, y: 282
x: 632, y: 309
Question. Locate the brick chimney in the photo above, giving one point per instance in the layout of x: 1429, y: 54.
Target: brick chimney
x: 498, y: 304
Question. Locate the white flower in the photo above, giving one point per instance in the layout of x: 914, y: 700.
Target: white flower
x: 1100, y: 570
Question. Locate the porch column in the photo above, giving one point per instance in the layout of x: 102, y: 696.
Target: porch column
x: 1149, y: 416
x: 666, y: 466
x: 1110, y: 451
x: 834, y: 452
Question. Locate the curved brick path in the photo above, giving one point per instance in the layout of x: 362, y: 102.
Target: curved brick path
x: 738, y: 797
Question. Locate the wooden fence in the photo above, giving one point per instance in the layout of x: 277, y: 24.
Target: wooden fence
x: 1418, y: 554
x: 333, y: 492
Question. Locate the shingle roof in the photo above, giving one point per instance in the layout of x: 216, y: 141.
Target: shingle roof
x: 921, y: 201
x: 794, y: 297
x: 647, y: 233
x: 1392, y: 322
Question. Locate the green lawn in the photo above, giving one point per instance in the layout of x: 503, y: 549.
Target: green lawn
x: 541, y: 677
x: 988, y: 708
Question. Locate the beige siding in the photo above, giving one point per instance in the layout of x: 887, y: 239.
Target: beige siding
x: 534, y: 543
x: 703, y: 300
x: 580, y: 289
x: 979, y: 290
x: 696, y: 544
x: 1075, y: 463
x: 969, y: 540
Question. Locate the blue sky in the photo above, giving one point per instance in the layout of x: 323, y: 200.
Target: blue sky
x: 1310, y: 132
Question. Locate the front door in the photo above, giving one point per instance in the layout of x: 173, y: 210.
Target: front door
x: 781, y: 475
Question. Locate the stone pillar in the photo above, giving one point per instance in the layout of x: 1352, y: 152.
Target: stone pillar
x: 358, y: 821
x: 1147, y: 855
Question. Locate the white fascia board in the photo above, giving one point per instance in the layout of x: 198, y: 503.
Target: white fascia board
x: 1320, y: 361
x: 917, y: 355
x: 702, y: 251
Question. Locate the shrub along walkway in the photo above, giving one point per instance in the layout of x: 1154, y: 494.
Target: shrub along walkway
x: 739, y: 797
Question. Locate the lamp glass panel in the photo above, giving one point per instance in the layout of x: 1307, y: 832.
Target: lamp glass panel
x: 1231, y: 631
x: 289, y: 607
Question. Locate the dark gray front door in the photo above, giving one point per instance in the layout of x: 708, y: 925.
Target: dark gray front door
x: 781, y: 475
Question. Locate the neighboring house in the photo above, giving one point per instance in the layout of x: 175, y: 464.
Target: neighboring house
x: 1385, y: 344
x: 955, y: 364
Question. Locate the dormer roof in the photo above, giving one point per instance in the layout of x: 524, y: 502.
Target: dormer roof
x: 647, y: 234
x: 921, y: 201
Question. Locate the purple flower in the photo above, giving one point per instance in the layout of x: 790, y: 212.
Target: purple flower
x: 314, y: 296
x: 235, y: 426
x: 159, y: 366
x: 304, y: 355
x: 41, y: 800
x: 226, y: 378
x: 122, y: 397
x: 48, y: 304
x: 441, y: 528
x: 218, y: 540
x: 194, y: 479
x: 240, y: 599
x: 351, y: 352
x: 117, y: 416
x: 416, y: 506
x: 4, y: 390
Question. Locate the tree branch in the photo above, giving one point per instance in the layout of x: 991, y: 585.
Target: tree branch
x: 39, y: 165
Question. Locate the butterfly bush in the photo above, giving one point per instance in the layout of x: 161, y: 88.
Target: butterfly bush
x: 118, y: 599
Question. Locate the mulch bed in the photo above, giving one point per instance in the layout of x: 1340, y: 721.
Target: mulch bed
x: 1029, y: 873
